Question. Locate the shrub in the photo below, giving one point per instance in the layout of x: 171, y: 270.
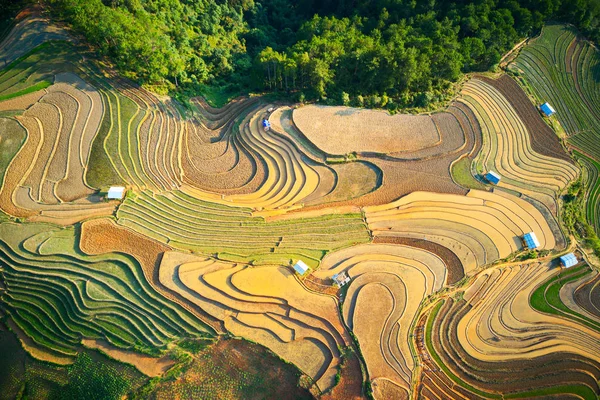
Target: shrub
x: 92, y: 380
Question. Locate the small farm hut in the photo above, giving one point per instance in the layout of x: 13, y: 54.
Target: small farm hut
x: 341, y: 279
x: 492, y: 178
x: 568, y: 260
x: 266, y: 124
x: 301, y: 268
x: 547, y: 109
x: 531, y: 241
x: 116, y: 193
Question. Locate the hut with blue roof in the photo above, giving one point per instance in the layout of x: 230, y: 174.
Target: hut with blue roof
x: 568, y: 260
x: 266, y: 124
x: 547, y: 109
x: 301, y: 268
x: 531, y: 241
x: 492, y: 178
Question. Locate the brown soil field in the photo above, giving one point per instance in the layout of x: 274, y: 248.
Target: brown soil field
x: 149, y: 366
x: 404, y: 175
x: 374, y: 304
x: 46, y: 118
x: 22, y: 102
x: 543, y: 138
x: 103, y: 235
x: 453, y: 264
x: 343, y: 130
x: 587, y: 296
x: 68, y: 108
x: 350, y: 386
x: 234, y: 369
x: 384, y: 389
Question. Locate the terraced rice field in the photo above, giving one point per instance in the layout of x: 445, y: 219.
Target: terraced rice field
x: 592, y: 202
x: 562, y: 68
x: 479, y: 228
x: 218, y: 209
x: 58, y: 296
x: 388, y: 284
x: 267, y: 305
x: 27, y: 34
x: 417, y: 167
x: 489, y: 342
x: 507, y: 147
x: 233, y: 233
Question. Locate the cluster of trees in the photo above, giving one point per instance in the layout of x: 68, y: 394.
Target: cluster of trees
x: 392, y: 53
x: 399, y: 53
x: 186, y: 42
x: 89, y: 379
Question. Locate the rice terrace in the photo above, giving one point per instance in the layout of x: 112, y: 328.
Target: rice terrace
x: 266, y: 223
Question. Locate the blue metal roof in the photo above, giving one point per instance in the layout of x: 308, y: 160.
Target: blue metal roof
x: 568, y: 260
x: 266, y: 123
x: 547, y: 109
x: 301, y: 267
x: 531, y: 241
x: 492, y: 177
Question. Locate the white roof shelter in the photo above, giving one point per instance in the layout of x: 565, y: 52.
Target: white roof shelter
x: 341, y: 279
x: 300, y: 267
x: 116, y: 193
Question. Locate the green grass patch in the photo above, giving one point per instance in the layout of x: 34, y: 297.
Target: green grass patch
x: 461, y: 173
x: 592, y: 187
x: 546, y: 298
x: 12, y: 137
x: 234, y: 234
x: 100, y: 172
x: 39, y: 65
x: 218, y: 96
x: 38, y: 86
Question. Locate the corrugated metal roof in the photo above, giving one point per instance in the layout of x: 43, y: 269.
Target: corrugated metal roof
x: 116, y: 192
x: 300, y: 267
x: 531, y: 240
x: 492, y: 177
x: 568, y: 260
x: 547, y: 109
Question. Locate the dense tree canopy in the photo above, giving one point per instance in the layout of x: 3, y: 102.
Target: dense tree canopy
x: 392, y: 53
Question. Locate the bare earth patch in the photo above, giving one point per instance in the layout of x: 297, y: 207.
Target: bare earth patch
x: 147, y: 365
x: 342, y: 130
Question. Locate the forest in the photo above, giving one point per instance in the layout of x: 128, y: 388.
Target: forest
x: 384, y: 53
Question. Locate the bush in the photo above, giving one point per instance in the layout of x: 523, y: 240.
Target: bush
x: 345, y: 98
x: 92, y: 380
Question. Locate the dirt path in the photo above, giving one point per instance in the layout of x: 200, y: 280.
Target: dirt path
x: 150, y: 366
